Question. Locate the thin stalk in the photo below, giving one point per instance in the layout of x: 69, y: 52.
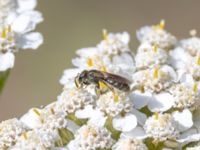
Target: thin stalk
x: 3, y: 78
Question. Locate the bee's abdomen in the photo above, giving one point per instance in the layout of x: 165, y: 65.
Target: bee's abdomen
x: 118, y: 84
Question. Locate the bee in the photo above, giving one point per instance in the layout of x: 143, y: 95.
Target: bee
x: 96, y: 77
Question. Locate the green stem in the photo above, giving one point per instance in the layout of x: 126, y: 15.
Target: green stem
x: 3, y: 77
x: 115, y: 133
x: 65, y: 137
x: 73, y: 118
x: 152, y: 145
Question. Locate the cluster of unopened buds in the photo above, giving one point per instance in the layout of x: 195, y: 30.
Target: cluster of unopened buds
x: 117, y: 99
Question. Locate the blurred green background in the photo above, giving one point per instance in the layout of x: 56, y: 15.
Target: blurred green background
x: 72, y: 24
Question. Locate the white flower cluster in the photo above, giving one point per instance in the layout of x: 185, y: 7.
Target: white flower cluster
x: 159, y: 111
x: 129, y: 144
x: 90, y: 137
x: 17, y: 21
x: 10, y: 130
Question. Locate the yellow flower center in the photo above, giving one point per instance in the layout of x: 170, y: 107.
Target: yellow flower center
x: 156, y: 115
x: 162, y: 24
x: 25, y: 135
x: 156, y: 73
x: 36, y: 112
x: 116, y: 98
x: 195, y: 87
x: 9, y: 28
x: 104, y: 68
x: 3, y: 33
x: 89, y: 62
x: 155, y: 48
x: 105, y: 34
x: 198, y: 60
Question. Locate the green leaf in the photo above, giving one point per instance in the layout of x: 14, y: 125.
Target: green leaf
x: 3, y: 77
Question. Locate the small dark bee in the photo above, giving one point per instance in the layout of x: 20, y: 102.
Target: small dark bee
x: 112, y: 81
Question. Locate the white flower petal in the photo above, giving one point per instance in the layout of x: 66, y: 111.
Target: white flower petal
x: 69, y: 75
x: 179, y: 58
x: 184, y: 119
x: 31, y: 40
x: 125, y: 38
x: 187, y: 80
x: 161, y: 102
x: 142, y: 32
x: 85, y: 113
x: 141, y: 118
x: 6, y: 61
x: 32, y: 118
x: 87, y: 52
x: 140, y: 99
x: 26, y: 22
x: 126, y: 123
x: 79, y: 62
x: 25, y: 5
x: 170, y: 71
x: 189, y: 136
x: 137, y: 132
x: 73, y: 127
x: 125, y: 59
x: 98, y: 119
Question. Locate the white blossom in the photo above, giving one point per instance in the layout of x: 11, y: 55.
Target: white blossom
x: 114, y: 44
x: 46, y: 118
x: 18, y: 20
x: 92, y: 58
x: 161, y: 127
x: 74, y: 99
x: 191, y: 45
x: 35, y: 140
x: 129, y: 144
x: 156, y: 35
x: 118, y: 107
x: 107, y: 103
x: 161, y: 109
x: 10, y: 130
x: 184, y: 97
x: 155, y: 79
x: 148, y: 55
x: 90, y: 137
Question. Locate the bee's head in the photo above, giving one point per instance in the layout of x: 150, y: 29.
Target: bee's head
x: 82, y: 79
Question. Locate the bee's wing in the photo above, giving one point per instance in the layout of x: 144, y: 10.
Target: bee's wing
x: 111, y: 78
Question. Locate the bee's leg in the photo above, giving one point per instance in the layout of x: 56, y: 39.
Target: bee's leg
x: 116, y: 98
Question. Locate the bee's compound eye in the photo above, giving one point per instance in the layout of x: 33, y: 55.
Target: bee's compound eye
x: 83, y: 75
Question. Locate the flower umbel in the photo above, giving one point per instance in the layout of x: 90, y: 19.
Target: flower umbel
x: 158, y: 110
